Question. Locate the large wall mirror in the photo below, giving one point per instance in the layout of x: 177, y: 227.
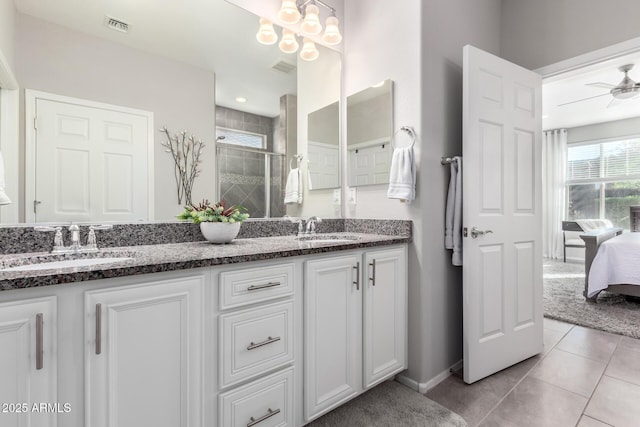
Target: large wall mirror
x: 369, y: 133
x: 208, y: 75
x: 323, y: 147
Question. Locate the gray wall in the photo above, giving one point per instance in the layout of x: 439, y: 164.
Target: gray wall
x: 370, y: 119
x: 536, y: 33
x: 463, y: 22
x: 54, y: 59
x: 605, y: 130
x: 422, y: 54
x: 7, y: 29
x: 323, y: 125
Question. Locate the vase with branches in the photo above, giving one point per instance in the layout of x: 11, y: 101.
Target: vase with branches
x: 185, y: 150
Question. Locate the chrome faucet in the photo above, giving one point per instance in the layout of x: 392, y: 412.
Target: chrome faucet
x: 311, y: 224
x: 75, y: 238
x: 75, y: 247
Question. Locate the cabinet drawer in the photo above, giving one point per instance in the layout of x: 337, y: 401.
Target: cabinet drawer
x: 238, y: 288
x: 264, y: 403
x: 253, y: 341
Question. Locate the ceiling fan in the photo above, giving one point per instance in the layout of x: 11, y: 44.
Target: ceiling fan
x: 626, y: 89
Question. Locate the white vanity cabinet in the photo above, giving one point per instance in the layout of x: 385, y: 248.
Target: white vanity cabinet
x: 259, y: 345
x: 28, y: 363
x: 355, y: 311
x: 143, y: 354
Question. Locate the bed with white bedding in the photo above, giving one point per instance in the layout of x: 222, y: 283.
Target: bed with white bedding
x: 612, y: 262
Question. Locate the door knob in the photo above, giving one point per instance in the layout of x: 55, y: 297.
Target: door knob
x: 475, y: 232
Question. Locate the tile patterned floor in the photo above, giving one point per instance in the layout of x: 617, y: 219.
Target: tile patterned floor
x: 584, y: 378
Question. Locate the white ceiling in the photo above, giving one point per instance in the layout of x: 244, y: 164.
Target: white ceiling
x: 573, y: 86
x: 210, y: 34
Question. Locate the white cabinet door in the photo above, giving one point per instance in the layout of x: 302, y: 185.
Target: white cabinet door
x: 385, y: 314
x: 143, y: 354
x: 333, y: 333
x: 28, y: 364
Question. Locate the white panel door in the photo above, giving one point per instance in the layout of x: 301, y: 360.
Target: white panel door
x: 143, y: 355
x: 502, y: 273
x: 28, y: 363
x: 385, y: 315
x: 369, y: 164
x: 323, y: 165
x: 90, y: 163
x: 333, y: 333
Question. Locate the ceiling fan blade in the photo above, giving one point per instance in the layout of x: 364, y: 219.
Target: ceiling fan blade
x: 601, y: 84
x: 583, y: 99
x: 615, y: 102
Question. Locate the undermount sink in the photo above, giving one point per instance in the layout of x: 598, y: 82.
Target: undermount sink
x: 326, y: 238
x: 57, y: 261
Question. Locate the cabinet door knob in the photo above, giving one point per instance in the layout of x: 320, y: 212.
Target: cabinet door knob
x: 39, y: 341
x: 98, y: 328
x: 357, y: 282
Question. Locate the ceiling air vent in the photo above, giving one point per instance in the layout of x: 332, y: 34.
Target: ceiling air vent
x: 284, y: 67
x: 116, y: 24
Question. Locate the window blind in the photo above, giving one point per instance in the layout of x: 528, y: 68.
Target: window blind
x: 613, y: 159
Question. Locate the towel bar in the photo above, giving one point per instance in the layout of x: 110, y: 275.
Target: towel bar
x: 447, y: 160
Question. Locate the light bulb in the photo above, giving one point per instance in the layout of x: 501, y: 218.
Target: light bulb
x: 266, y: 33
x: 311, y: 24
x: 288, y: 12
x: 288, y: 44
x: 331, y: 34
x: 309, y: 51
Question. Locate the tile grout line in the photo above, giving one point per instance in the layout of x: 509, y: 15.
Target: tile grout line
x: 523, y: 377
x: 598, y: 384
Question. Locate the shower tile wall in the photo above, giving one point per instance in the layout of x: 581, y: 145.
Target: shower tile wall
x: 242, y: 174
x: 234, y: 119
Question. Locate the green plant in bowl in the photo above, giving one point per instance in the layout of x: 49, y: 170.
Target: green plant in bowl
x: 218, y: 223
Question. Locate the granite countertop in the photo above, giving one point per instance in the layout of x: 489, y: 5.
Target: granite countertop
x: 181, y: 256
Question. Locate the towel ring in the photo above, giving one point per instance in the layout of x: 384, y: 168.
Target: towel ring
x: 297, y: 157
x: 409, y: 131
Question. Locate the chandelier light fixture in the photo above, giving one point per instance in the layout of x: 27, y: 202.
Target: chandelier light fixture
x: 266, y: 33
x: 290, y: 13
x: 288, y: 44
x: 309, y: 50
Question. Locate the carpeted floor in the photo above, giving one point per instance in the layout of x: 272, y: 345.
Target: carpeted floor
x: 563, y: 300
x: 390, y: 404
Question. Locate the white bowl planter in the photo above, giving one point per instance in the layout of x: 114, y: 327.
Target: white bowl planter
x: 219, y: 232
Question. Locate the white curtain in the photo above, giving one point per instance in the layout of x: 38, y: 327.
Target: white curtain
x: 554, y: 172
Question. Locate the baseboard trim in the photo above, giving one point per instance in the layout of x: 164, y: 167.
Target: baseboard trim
x: 426, y: 386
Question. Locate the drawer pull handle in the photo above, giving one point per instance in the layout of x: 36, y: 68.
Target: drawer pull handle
x: 262, y: 418
x: 373, y: 272
x: 98, y: 328
x: 357, y: 282
x: 269, y: 340
x: 39, y: 341
x: 264, y: 286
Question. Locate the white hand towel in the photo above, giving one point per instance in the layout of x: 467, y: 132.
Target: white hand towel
x: 453, y: 216
x: 402, y: 178
x: 293, y: 189
x: 450, y: 209
x: 4, y: 199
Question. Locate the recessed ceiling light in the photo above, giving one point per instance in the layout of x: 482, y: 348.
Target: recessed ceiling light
x: 241, y: 99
